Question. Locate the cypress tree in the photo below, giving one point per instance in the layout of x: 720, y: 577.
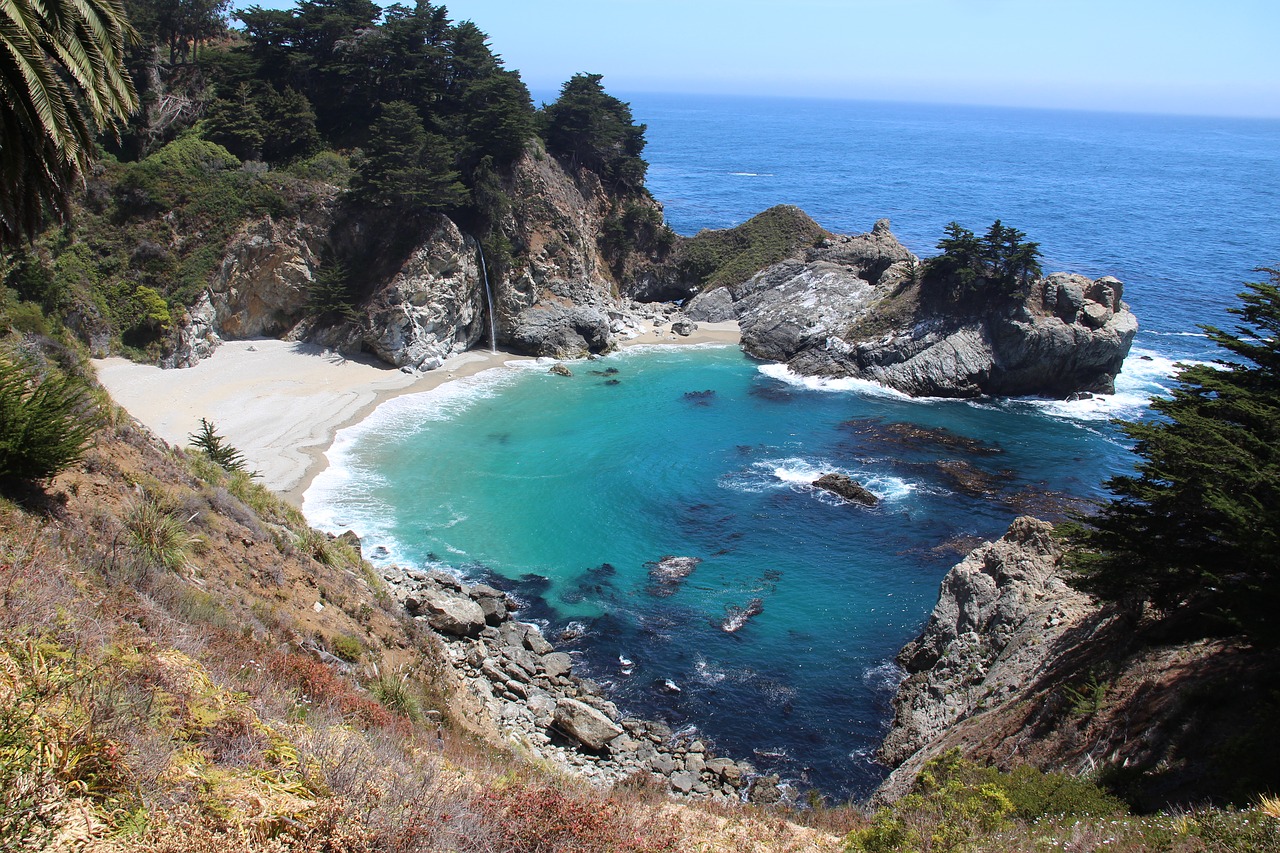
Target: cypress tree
x: 1197, y: 531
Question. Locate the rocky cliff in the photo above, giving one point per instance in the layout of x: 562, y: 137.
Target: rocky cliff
x: 1015, y: 667
x: 554, y: 293
x: 852, y: 306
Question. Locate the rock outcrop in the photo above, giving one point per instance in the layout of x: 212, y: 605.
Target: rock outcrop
x: 554, y: 294
x: 1016, y: 668
x: 852, y: 307
x: 844, y: 487
x: 993, y: 632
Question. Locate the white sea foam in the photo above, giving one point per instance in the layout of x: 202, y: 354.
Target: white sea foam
x: 706, y: 673
x: 797, y: 473
x: 884, y: 677
x: 846, y: 384
x: 752, y: 174
x: 1144, y: 375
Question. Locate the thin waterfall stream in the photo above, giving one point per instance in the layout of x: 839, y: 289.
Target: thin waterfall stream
x: 488, y: 296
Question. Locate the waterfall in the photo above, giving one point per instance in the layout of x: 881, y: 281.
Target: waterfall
x: 488, y: 296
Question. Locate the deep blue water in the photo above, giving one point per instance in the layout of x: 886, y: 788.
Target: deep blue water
x: 567, y: 491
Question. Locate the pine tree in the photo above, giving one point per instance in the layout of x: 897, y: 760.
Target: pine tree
x: 215, y: 446
x: 1197, y: 531
x: 591, y: 128
x: 406, y: 168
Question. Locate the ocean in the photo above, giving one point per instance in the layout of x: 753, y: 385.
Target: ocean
x: 570, y: 492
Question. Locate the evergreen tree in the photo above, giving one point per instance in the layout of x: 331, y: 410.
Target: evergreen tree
x: 236, y: 125
x: 289, y: 131
x: 1197, y: 531
x: 999, y: 264
x: 590, y: 128
x: 405, y: 167
x: 215, y: 446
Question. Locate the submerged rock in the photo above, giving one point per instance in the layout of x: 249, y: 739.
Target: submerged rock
x: 668, y: 572
x: 842, y: 486
x: 735, y: 617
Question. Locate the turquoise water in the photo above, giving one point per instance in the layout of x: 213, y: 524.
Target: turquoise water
x: 562, y: 490
x: 565, y: 491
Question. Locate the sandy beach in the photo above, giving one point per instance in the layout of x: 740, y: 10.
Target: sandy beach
x: 280, y: 403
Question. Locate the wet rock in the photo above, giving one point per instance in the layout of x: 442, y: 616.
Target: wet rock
x: 842, y: 486
x: 560, y: 370
x: 588, y: 726
x: 765, y: 790
x: 735, y: 617
x: 668, y: 572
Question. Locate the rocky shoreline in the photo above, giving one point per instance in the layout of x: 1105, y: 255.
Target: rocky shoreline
x: 527, y: 691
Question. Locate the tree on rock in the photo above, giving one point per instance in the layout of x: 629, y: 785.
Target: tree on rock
x: 1197, y: 531
x: 1000, y: 263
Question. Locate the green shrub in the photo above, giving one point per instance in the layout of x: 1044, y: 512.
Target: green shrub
x: 733, y: 255
x: 46, y: 422
x: 347, y: 647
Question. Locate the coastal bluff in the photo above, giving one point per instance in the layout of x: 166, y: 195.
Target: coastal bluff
x: 853, y: 306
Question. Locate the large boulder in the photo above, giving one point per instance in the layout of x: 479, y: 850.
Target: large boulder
x: 447, y: 612
x: 843, y: 486
x: 561, y: 331
x: 585, y: 724
x: 433, y: 307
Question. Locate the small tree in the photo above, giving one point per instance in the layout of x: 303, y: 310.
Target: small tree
x: 1197, y: 531
x: 215, y: 446
x: 46, y: 423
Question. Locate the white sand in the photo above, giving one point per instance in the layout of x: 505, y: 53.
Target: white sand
x: 280, y: 403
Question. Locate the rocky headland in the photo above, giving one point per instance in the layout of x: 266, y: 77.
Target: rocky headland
x: 853, y: 306
x: 823, y: 304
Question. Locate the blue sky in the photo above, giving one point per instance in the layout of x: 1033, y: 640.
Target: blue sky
x: 1215, y: 57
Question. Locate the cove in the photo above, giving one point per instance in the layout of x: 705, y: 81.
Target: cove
x: 569, y: 492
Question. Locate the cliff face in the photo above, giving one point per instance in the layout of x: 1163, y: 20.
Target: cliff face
x: 852, y: 307
x: 555, y: 294
x: 1014, y: 667
x: 999, y: 615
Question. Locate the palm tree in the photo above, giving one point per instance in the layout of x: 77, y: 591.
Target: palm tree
x: 62, y: 80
